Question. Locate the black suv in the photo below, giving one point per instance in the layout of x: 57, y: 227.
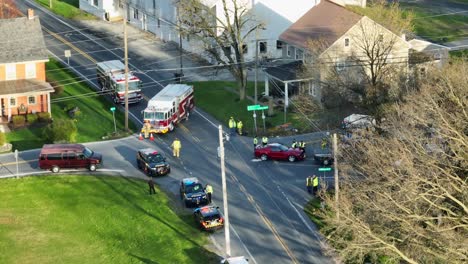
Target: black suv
x: 192, y: 192
x: 208, y: 218
x: 152, y: 162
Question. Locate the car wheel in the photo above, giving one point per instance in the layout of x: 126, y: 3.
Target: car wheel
x: 138, y: 165
x: 263, y: 157
x: 292, y: 158
x: 171, y: 126
x: 55, y: 169
x: 168, y: 171
x: 92, y: 167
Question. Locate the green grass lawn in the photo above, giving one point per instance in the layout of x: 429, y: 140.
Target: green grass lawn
x: 438, y: 29
x: 67, y: 8
x: 94, y: 219
x: 217, y: 99
x: 94, y: 110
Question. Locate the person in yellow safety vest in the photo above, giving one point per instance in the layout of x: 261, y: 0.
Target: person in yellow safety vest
x: 315, y: 183
x: 232, y: 125
x: 264, y: 140
x: 239, y: 127
x: 294, y: 144
x: 309, y: 184
x: 324, y: 143
x: 146, y: 129
x: 302, y: 145
x: 176, y: 146
x: 209, y: 192
x: 255, y: 142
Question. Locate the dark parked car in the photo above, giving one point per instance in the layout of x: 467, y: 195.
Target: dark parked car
x: 152, y: 162
x: 57, y: 156
x: 192, y: 192
x: 208, y: 218
x: 277, y: 151
x: 323, y: 156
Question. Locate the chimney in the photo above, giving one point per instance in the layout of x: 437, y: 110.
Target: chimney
x: 30, y: 13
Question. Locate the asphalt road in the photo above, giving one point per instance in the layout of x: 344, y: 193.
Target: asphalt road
x: 265, y: 198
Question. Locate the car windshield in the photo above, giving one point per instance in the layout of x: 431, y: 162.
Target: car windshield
x: 87, y: 152
x: 132, y: 86
x: 153, y: 115
x: 192, y: 188
x: 283, y: 148
x: 155, y: 158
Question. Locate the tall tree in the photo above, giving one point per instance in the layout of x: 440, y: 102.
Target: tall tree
x: 405, y: 193
x: 8, y: 9
x: 223, y: 34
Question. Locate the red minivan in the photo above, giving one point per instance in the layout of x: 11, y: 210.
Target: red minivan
x: 56, y: 156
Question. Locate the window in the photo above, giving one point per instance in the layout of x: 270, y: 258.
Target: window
x: 135, y: 13
x: 30, y: 70
x: 288, y: 51
x: 299, y: 55
x: 10, y: 72
x: 346, y: 42
x: 95, y: 2
x: 381, y: 37
x: 244, y: 49
x: 263, y: 46
x: 54, y: 156
x: 227, y: 50
x: 279, y: 44
x: 12, y: 101
x: 159, y: 23
x: 31, y: 100
x: 312, y: 89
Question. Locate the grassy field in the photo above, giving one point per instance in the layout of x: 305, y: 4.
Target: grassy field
x: 87, y: 219
x: 218, y: 99
x: 94, y: 110
x: 67, y: 8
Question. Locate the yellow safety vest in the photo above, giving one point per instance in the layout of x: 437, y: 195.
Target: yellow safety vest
x: 309, y: 181
x: 315, y: 181
x: 265, y: 140
x: 255, y: 141
x: 239, y: 124
x: 176, y: 144
x: 232, y: 123
x: 209, y: 189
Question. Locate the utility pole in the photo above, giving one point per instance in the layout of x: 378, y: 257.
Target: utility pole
x: 126, y: 72
x: 50, y: 4
x: 335, y: 167
x: 256, y: 67
x: 225, y: 201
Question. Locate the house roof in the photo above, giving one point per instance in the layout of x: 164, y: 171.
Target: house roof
x: 22, y: 40
x: 24, y: 86
x: 327, y: 21
x: 285, y: 72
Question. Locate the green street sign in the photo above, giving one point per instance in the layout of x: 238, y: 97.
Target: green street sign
x: 112, y: 109
x: 263, y: 108
x: 325, y: 169
x: 253, y: 107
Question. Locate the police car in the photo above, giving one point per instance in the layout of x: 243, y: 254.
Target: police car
x: 152, y: 162
x: 192, y: 192
x: 208, y: 218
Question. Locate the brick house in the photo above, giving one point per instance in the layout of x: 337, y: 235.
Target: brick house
x: 23, y: 86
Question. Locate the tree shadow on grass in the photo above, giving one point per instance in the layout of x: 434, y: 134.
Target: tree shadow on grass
x: 144, y: 260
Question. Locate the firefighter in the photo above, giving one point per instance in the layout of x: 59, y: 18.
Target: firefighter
x: 264, y: 141
x: 255, y: 141
x: 315, y: 184
x: 239, y: 127
x: 294, y: 144
x: 232, y: 125
x: 209, y: 192
x: 146, y: 129
x: 176, y: 146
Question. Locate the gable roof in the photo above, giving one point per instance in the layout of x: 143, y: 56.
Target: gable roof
x: 327, y: 21
x: 22, y: 40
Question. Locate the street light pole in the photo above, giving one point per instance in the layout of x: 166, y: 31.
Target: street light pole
x: 256, y: 67
x: 126, y: 72
x: 335, y: 167
x: 225, y: 201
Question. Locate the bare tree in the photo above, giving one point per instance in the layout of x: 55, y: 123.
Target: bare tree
x: 223, y: 35
x: 405, y: 193
x: 8, y: 9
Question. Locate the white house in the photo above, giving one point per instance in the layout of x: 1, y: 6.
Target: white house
x: 109, y: 10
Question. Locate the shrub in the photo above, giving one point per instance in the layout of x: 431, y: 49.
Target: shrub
x: 18, y: 120
x: 43, y: 116
x: 62, y: 130
x: 31, y: 118
x: 2, y: 139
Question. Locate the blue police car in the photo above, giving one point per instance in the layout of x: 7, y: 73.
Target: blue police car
x: 192, y: 192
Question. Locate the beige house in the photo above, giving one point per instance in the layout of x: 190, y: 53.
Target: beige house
x: 341, y: 40
x: 23, y: 86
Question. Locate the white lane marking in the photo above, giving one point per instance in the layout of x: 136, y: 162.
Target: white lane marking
x: 256, y: 160
x: 217, y: 246
x: 243, y: 245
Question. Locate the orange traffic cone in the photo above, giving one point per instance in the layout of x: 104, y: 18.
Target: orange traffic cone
x: 151, y: 137
x: 140, y: 137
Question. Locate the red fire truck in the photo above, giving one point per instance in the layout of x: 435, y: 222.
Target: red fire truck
x: 111, y: 78
x: 167, y: 108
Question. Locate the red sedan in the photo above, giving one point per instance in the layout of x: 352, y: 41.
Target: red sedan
x: 278, y: 151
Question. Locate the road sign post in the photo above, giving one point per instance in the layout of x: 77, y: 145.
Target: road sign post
x: 68, y: 55
x: 254, y: 108
x: 324, y: 170
x: 255, y: 121
x: 263, y: 117
x: 113, y: 115
x: 17, y: 168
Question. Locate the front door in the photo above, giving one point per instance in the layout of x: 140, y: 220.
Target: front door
x: 2, y: 105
